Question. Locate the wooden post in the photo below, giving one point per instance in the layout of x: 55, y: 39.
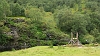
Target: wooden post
x: 71, y: 38
x: 76, y: 38
x: 77, y: 35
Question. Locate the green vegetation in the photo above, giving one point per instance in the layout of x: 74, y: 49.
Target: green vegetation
x: 31, y: 23
x: 46, y: 51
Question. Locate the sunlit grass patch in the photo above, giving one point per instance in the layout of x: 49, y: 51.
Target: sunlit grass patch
x: 55, y: 51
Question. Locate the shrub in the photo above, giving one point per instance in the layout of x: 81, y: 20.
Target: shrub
x: 87, y: 39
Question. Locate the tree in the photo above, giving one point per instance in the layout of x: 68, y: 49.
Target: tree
x: 35, y: 14
x: 76, y: 22
x: 92, y: 5
x: 1, y: 12
x: 4, y: 9
x: 17, y: 10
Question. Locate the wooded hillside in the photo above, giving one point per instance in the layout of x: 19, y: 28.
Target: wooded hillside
x: 28, y: 23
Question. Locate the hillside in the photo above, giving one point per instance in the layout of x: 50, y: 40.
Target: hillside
x: 30, y: 23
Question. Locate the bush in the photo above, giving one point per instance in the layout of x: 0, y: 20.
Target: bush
x: 50, y: 43
x: 98, y: 39
x: 33, y: 42
x: 87, y: 39
x: 4, y: 39
x: 5, y: 29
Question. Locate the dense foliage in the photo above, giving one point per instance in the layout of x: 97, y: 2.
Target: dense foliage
x: 48, y: 22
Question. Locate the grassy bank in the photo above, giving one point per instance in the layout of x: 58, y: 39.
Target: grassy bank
x: 55, y: 51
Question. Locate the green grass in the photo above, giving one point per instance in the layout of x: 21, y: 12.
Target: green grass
x: 55, y: 51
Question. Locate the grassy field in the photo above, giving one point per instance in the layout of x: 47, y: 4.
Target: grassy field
x: 55, y: 51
